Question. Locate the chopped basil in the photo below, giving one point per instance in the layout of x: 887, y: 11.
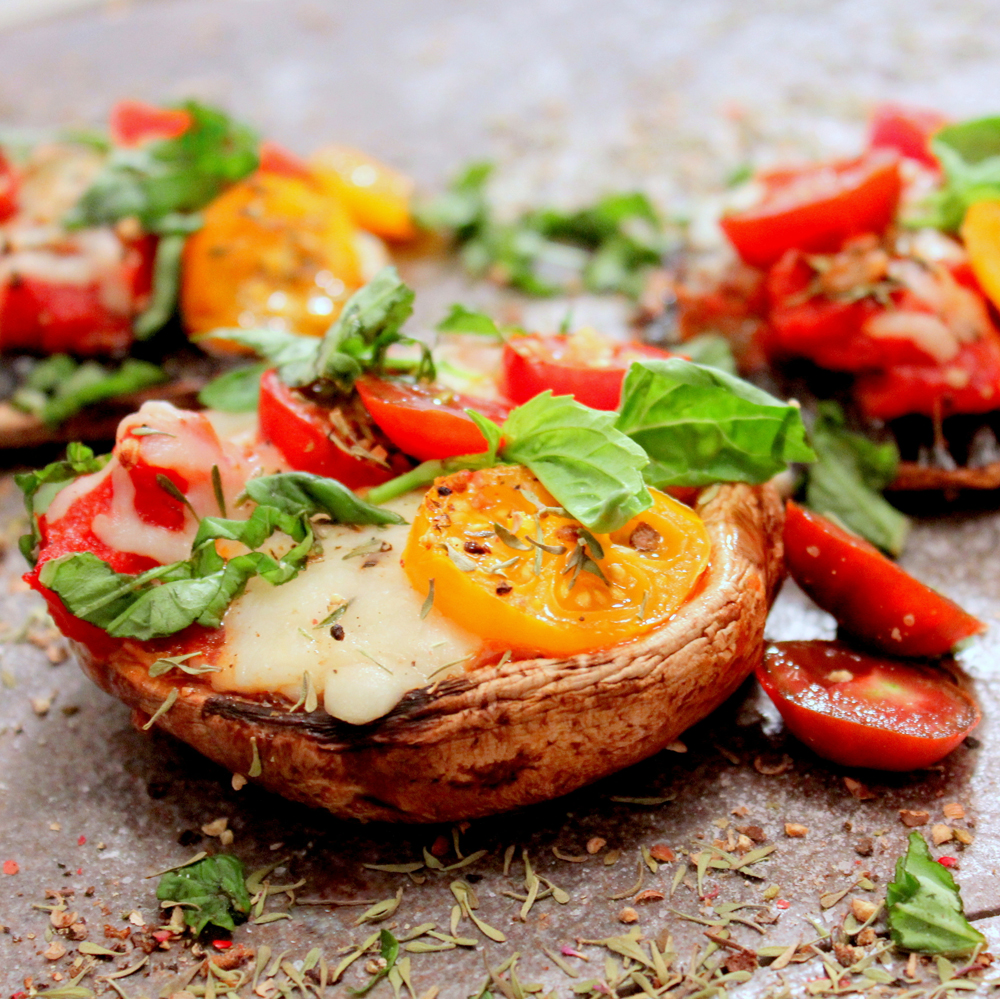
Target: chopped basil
x: 463, y: 320
x: 59, y: 387
x: 848, y: 477
x: 212, y: 891
x: 356, y: 343
x: 607, y: 247
x: 924, y: 908
x: 235, y: 391
x: 169, y: 598
x: 158, y: 180
x: 40, y: 487
x: 701, y: 425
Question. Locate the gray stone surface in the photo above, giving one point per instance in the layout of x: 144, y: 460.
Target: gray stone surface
x: 573, y: 98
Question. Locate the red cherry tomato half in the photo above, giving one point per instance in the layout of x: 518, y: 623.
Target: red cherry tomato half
x: 862, y: 710
x: 134, y: 122
x: 906, y: 130
x: 868, y: 594
x: 427, y: 421
x: 584, y: 364
x: 316, y: 438
x: 816, y: 208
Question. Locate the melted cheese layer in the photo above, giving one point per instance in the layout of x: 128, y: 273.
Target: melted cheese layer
x: 272, y: 633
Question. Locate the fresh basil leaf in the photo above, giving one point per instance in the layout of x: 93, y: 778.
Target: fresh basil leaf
x: 236, y: 391
x: 463, y: 206
x: 305, y: 494
x: 711, y: 350
x: 294, y: 356
x: 848, y: 477
x: 969, y: 154
x: 214, y: 890
x: 923, y: 906
x: 59, y: 387
x: 40, y: 487
x: 166, y: 286
x: 593, y: 470
x: 463, y: 320
x: 367, y: 326
x: 701, y: 425
x: 159, y: 179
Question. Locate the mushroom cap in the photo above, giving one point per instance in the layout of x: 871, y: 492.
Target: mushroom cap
x: 504, y: 736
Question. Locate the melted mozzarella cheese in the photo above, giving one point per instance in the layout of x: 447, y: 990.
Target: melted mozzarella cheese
x: 273, y: 637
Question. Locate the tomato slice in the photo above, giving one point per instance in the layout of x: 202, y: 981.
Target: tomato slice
x: 135, y: 122
x: 277, y: 159
x: 869, y: 595
x: 427, y: 421
x: 862, y: 710
x: 338, y: 442
x: 816, y: 208
x: 552, y: 602
x: 584, y: 364
x: 906, y: 130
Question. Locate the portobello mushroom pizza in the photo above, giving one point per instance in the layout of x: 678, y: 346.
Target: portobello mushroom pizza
x: 524, y: 611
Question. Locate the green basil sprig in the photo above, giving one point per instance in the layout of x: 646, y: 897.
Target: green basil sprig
x: 924, y: 908
x: 169, y: 598
x: 357, y: 342
x: 699, y: 425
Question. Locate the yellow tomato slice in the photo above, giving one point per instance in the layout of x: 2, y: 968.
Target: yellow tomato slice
x: 275, y: 250
x: 981, y: 233
x: 376, y: 196
x: 563, y: 595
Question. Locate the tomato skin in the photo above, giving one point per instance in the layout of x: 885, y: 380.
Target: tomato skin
x: 868, y: 594
x: 838, y: 200
x: 427, y: 423
x: 277, y: 159
x: 301, y: 430
x: 906, y: 130
x: 133, y: 122
x: 535, y: 362
x: 861, y: 710
x: 8, y: 189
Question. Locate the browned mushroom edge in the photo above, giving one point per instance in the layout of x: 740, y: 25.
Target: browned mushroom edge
x: 498, y: 737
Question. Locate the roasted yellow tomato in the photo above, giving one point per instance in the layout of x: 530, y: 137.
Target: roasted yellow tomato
x: 275, y: 250
x: 376, y: 197
x: 981, y: 233
x: 511, y: 567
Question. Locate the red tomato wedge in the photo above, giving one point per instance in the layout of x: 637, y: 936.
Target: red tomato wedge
x: 816, y: 208
x: 8, y: 189
x: 862, y: 710
x: 135, y: 122
x: 584, y: 364
x: 335, y: 442
x: 427, y: 421
x: 906, y: 130
x: 277, y: 159
x: 871, y: 596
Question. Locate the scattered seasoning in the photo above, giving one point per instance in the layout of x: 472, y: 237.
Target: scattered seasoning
x: 510, y: 539
x: 170, y: 488
x: 913, y: 817
x: 368, y: 655
x: 953, y: 810
x: 429, y: 602
x: 369, y: 547
x: 463, y: 562
x: 595, y: 844
x: 335, y: 615
x: 167, y: 704
x: 859, y: 790
x: 168, y: 663
x: 11, y: 867
x: 796, y: 830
